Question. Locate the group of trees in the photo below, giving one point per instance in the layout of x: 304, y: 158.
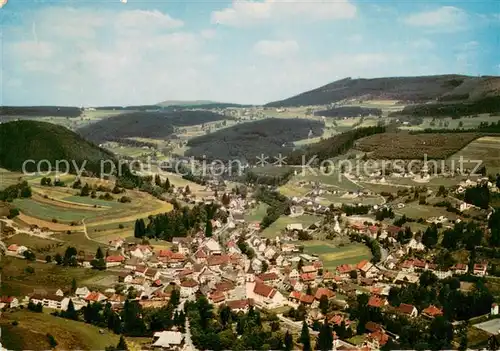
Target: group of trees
x: 223, y: 329
x: 15, y: 191
x: 372, y: 244
x: 278, y: 205
x: 351, y: 210
x: 179, y: 222
x: 47, y: 181
x: 349, y: 111
x: 132, y: 320
x: 383, y: 213
x: 478, y: 196
x: 247, y: 141
x: 275, y: 176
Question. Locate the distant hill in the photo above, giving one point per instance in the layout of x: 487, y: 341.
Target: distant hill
x: 409, y: 89
x: 349, y: 111
x: 33, y: 140
x: 40, y: 111
x: 246, y: 141
x: 186, y: 102
x: 198, y: 104
x: 145, y: 124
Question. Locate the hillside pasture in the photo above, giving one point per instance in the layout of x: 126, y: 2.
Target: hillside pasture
x: 485, y: 149
x: 17, y: 282
x: 31, y: 333
x: 280, y: 224
x: 333, y: 256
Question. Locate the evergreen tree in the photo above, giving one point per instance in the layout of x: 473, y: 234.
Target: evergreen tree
x: 157, y: 180
x: 325, y: 337
x: 208, y: 228
x: 58, y: 258
x: 73, y: 285
x: 85, y: 191
x: 166, y: 186
x: 122, y: 344
x: 288, y: 341
x: 305, y: 339
x: 99, y: 254
x: 70, y: 312
x: 323, y: 304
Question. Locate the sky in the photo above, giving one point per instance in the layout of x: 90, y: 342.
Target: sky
x: 133, y: 52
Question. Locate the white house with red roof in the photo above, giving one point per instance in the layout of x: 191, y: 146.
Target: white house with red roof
x: 114, y: 260
x: 264, y: 295
x: 189, y: 287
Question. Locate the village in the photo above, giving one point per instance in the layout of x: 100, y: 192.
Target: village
x: 240, y: 268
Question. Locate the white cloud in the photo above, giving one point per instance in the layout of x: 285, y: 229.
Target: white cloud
x: 276, y: 48
x: 355, y: 38
x: 144, y: 20
x: 208, y: 33
x: 445, y: 18
x: 245, y: 13
x: 423, y: 44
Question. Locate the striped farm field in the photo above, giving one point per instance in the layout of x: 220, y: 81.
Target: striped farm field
x: 333, y: 256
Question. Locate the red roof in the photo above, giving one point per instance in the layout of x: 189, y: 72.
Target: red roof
x: 217, y: 296
x: 12, y: 247
x: 328, y: 275
x: 217, y: 260
x: 264, y: 290
x: 93, y: 296
x: 433, y: 311
x: 157, y: 282
x: 479, y: 267
x: 295, y: 295
x: 189, y: 283
x: 392, y: 229
x: 224, y: 286
x: 317, y: 264
x: 372, y: 326
x: 308, y: 276
x: 268, y: 276
x: 117, y: 258
x: 406, y: 308
x: 380, y: 336
x: 308, y: 269
x: 376, y: 301
x: 200, y: 254
x: 239, y: 304
x: 308, y: 299
x: 344, y: 268
x: 324, y: 291
x: 361, y: 264
x: 373, y: 228
x: 164, y: 253
x: 338, y: 319
x: 6, y: 299
x: 460, y: 266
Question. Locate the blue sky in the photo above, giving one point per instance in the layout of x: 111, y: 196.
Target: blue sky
x: 142, y: 52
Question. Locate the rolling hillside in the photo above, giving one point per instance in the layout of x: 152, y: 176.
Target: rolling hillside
x: 33, y: 140
x: 407, y: 89
x: 248, y: 140
x: 145, y: 124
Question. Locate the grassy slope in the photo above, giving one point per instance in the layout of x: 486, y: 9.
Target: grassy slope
x: 31, y: 333
x: 24, y: 140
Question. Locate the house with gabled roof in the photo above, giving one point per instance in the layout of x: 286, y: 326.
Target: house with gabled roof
x: 264, y: 295
x: 408, y: 310
x: 377, y: 302
x: 432, y: 311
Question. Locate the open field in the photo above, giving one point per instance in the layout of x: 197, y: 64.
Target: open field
x: 333, y: 256
x: 17, y: 282
x: 485, y: 149
x: 275, y: 229
x: 33, y: 208
x: 257, y: 213
x: 365, y: 200
x: 414, y: 210
x: 32, y: 329
x: 65, y: 206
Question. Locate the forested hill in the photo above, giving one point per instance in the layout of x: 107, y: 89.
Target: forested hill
x: 246, y: 141
x: 408, y: 89
x: 33, y: 140
x: 145, y: 124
